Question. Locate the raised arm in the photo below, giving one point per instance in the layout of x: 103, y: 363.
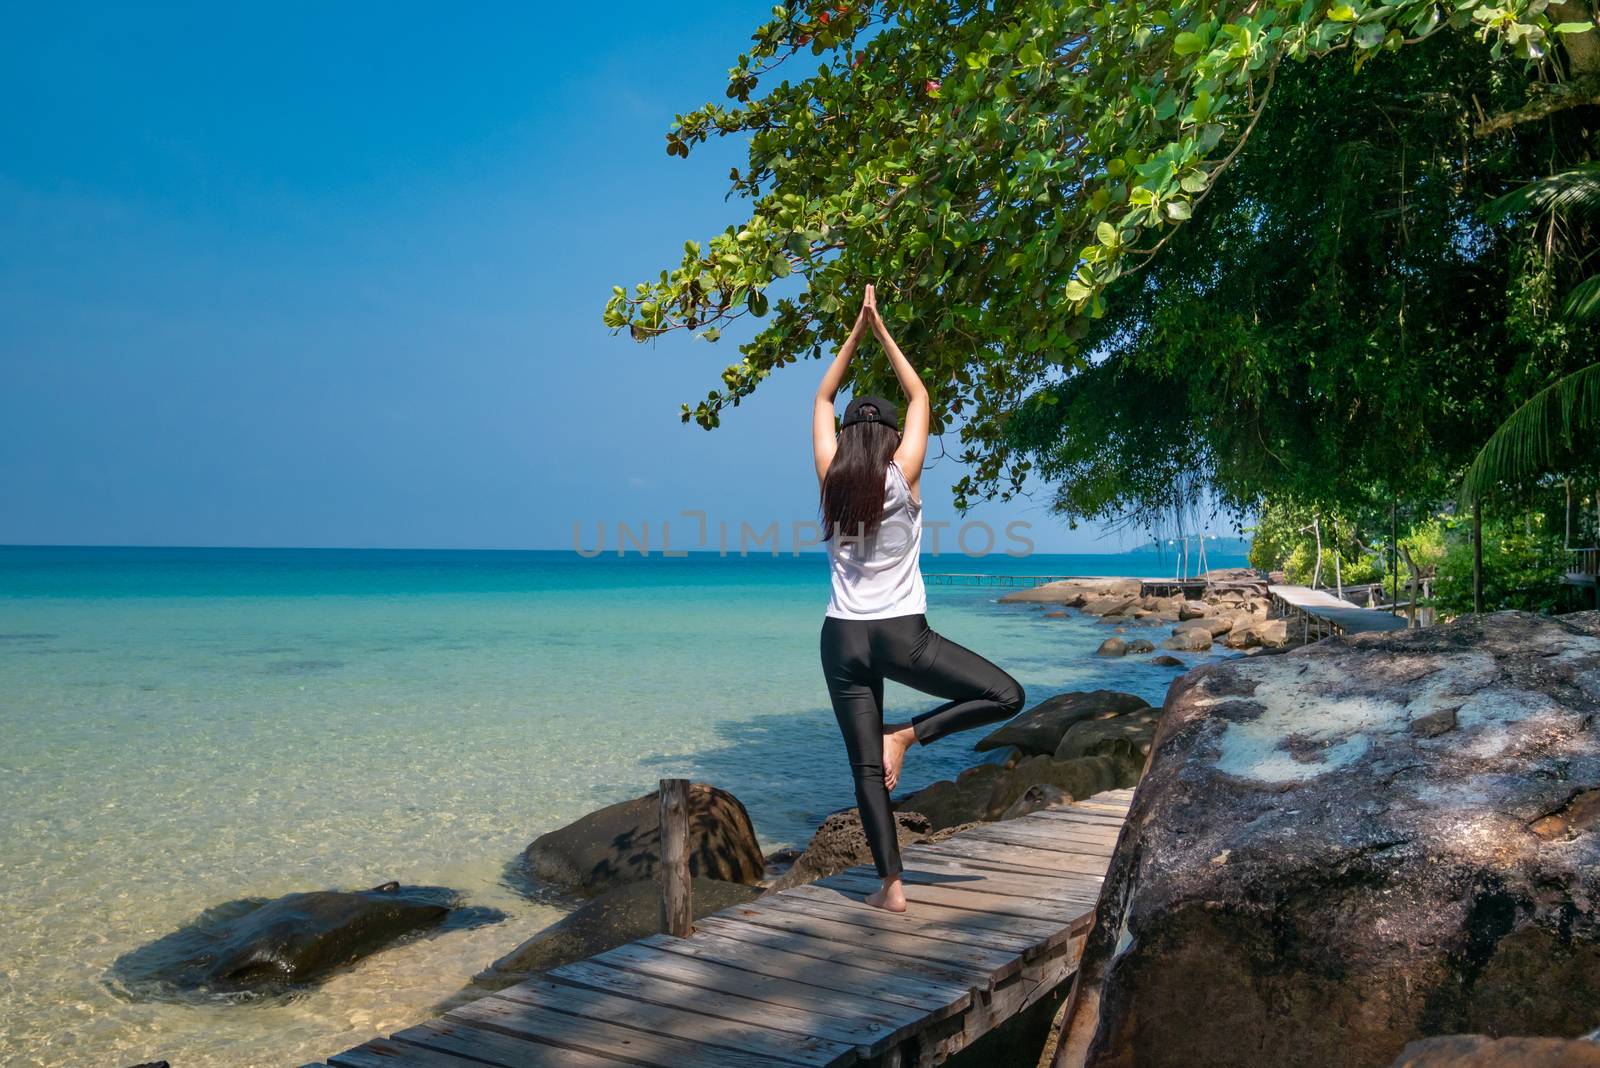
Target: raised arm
x: 914, y: 438
x: 824, y: 438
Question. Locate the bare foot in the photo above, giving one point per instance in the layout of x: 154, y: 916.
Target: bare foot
x: 891, y: 897
x: 896, y: 740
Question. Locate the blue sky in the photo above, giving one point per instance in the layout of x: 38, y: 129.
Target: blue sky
x: 304, y: 274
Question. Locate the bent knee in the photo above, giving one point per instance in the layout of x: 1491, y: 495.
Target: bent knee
x: 1011, y: 697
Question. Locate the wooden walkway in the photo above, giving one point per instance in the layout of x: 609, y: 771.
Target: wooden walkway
x: 810, y: 976
x: 1321, y: 612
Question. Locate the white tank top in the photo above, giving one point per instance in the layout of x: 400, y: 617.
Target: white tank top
x: 881, y: 577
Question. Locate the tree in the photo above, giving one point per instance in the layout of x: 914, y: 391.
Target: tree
x: 1341, y: 327
x: 1558, y: 426
x: 994, y: 166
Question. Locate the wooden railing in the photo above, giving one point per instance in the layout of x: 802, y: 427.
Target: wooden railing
x: 1585, y: 563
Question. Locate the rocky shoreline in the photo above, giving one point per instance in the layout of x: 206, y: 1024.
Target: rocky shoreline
x: 1068, y: 747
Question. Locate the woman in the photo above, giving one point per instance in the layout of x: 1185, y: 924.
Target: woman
x: 875, y: 628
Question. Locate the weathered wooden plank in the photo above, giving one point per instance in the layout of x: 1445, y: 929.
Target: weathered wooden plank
x: 957, y: 873
x: 587, y: 1002
x: 1067, y: 825
x: 1061, y: 909
x: 463, y: 1039
x: 1096, y: 816
x: 772, y: 989
x: 604, y: 1038
x: 850, y: 1032
x: 985, y: 960
x: 1009, y: 856
x: 1040, y: 840
x: 872, y: 958
x: 1033, y: 933
x: 387, y: 1053
x: 836, y: 906
x: 934, y: 1000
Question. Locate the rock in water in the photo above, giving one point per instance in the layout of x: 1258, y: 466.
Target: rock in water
x: 1480, y: 1051
x: 257, y: 946
x: 617, y: 916
x: 1141, y: 645
x: 1039, y: 730
x: 1315, y: 883
x: 840, y: 843
x: 621, y: 843
x: 950, y: 804
x: 1189, y: 641
x: 1112, y: 647
x: 1166, y: 660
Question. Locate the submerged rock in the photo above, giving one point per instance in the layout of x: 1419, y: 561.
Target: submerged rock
x: 840, y: 843
x: 617, y: 916
x: 1039, y: 730
x: 1167, y: 660
x: 1141, y: 645
x: 259, y: 946
x: 1112, y: 647
x: 1316, y: 883
x: 621, y: 843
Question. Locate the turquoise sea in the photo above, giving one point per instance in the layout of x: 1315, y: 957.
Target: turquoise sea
x: 187, y: 726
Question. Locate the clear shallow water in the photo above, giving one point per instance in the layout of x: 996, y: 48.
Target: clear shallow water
x: 183, y: 727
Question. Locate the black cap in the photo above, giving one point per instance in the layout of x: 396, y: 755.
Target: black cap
x: 869, y: 410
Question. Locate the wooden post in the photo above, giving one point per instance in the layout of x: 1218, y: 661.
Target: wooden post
x: 1477, y: 554
x: 676, y: 916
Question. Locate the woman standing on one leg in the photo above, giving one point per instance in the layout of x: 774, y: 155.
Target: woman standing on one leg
x: 876, y: 628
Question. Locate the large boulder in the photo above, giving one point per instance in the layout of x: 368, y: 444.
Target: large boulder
x: 1126, y: 735
x: 260, y: 946
x: 1360, y: 843
x: 1189, y: 641
x: 949, y: 803
x: 1078, y: 778
x: 1110, y: 605
x: 626, y: 913
x: 1266, y: 634
x: 1481, y: 1051
x: 1039, y: 730
x: 840, y: 843
x: 1213, y: 625
x: 621, y: 843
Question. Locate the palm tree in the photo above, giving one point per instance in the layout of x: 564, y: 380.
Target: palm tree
x: 1540, y: 433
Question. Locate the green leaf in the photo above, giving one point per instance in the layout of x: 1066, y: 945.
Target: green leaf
x: 1106, y: 234
x: 1574, y: 27
x: 1187, y: 44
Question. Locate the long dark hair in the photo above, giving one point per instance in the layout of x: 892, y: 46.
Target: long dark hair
x: 852, y: 490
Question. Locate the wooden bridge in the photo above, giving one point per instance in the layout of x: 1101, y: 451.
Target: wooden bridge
x: 1321, y: 613
x: 810, y: 976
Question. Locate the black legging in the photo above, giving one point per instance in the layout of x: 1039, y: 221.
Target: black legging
x: 857, y: 655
